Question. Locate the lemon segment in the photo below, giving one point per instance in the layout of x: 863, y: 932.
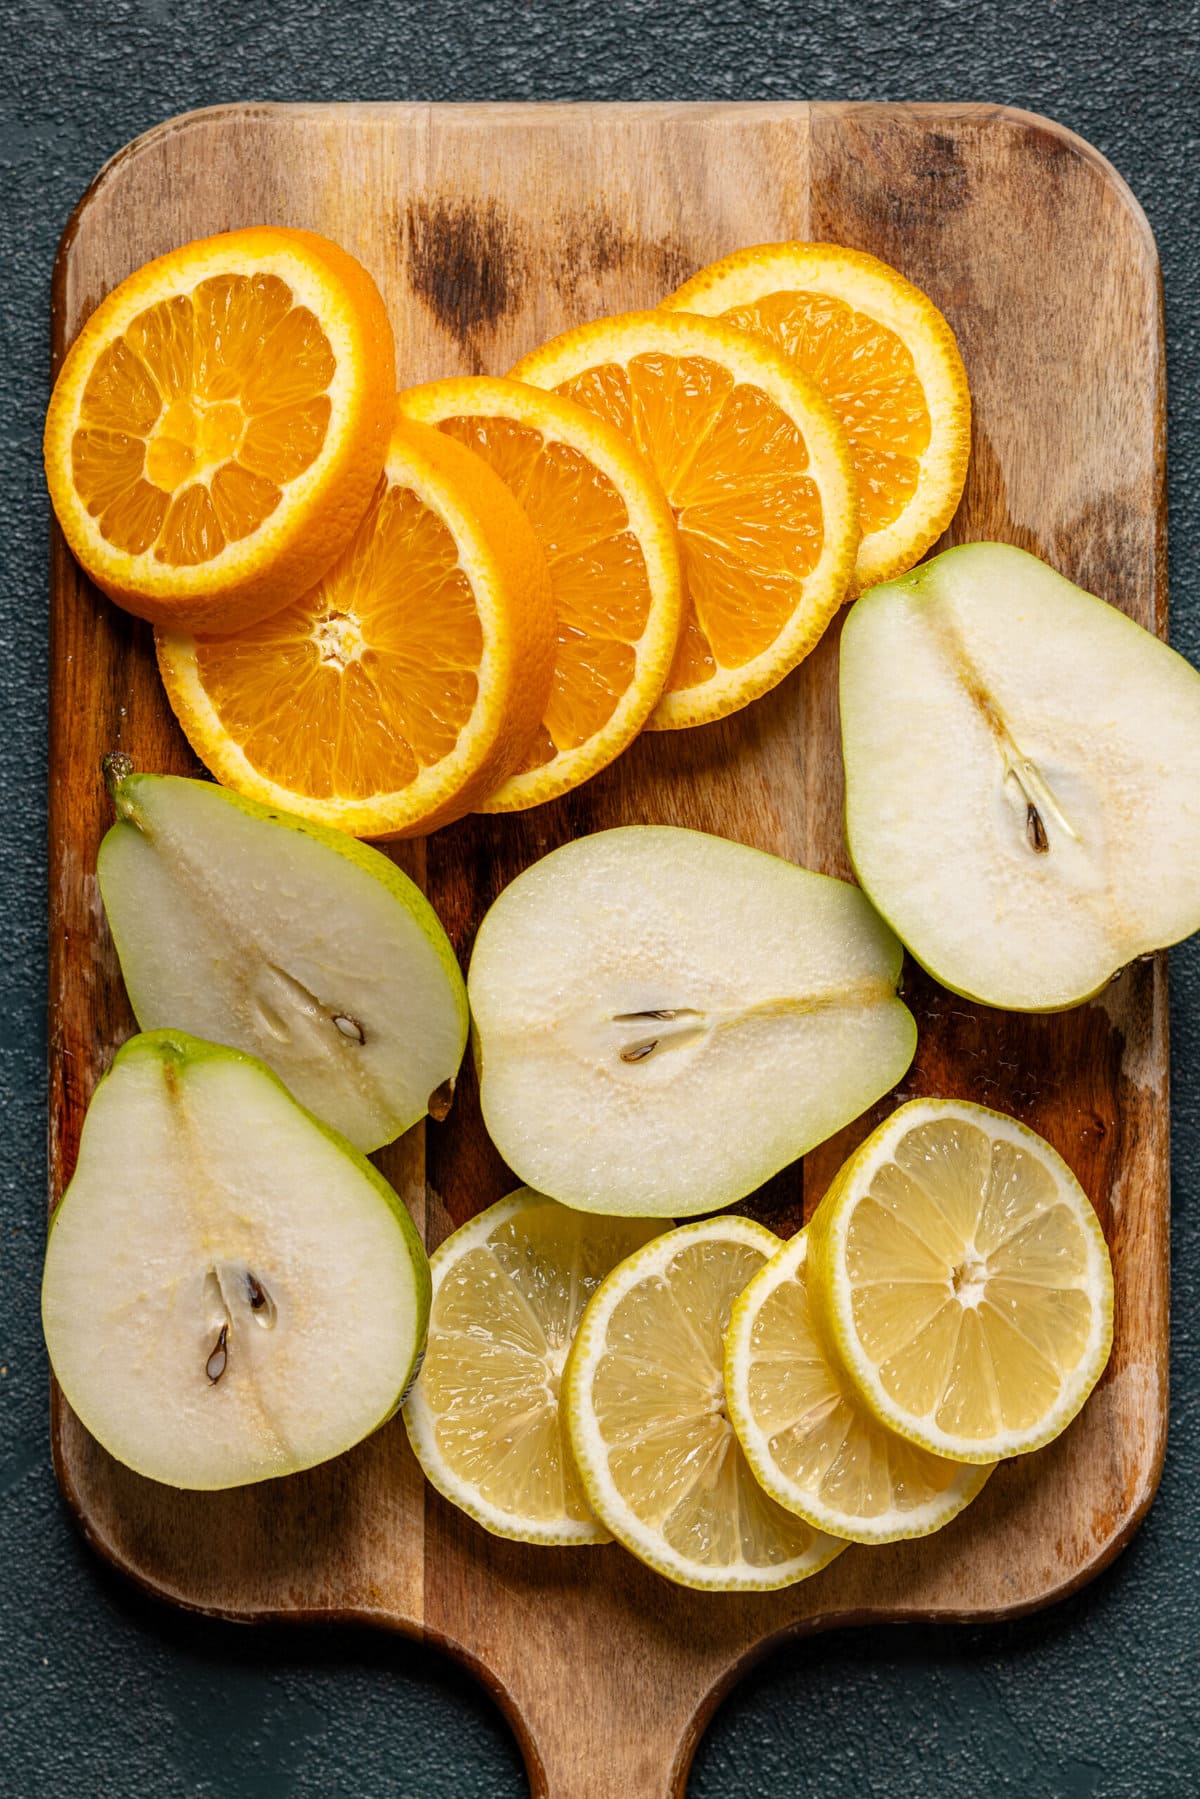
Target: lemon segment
x: 810, y: 1442
x: 483, y: 1417
x: 963, y: 1278
x: 644, y: 1399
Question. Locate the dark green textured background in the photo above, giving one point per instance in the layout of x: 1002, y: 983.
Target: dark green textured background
x: 104, y: 1694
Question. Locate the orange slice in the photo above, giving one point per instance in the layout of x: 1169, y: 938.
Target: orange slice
x: 605, y: 526
x: 401, y: 690
x: 757, y: 470
x: 218, y: 426
x: 888, y: 363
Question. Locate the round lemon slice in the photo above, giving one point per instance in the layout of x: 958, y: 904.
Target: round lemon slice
x: 644, y: 1398
x: 963, y: 1278
x: 809, y: 1440
x: 483, y: 1417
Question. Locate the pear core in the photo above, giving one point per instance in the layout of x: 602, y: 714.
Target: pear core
x: 231, y: 1291
x: 1022, y: 777
x: 247, y: 926
x: 664, y: 1019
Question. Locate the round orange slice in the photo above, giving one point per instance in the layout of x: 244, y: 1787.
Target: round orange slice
x: 219, y: 425
x: 757, y: 470
x: 605, y: 526
x: 888, y: 363
x: 403, y: 688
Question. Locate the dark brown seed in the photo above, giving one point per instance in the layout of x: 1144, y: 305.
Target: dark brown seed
x: 439, y: 1100
x: 640, y: 1051
x: 1035, y: 830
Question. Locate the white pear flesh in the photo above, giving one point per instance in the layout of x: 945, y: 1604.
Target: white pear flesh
x: 231, y: 1291
x: 664, y: 1019
x: 1022, y: 777
x: 246, y: 926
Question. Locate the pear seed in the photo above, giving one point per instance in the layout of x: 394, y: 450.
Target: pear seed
x: 639, y: 1051
x: 439, y: 1100
x: 349, y: 1027
x: 1035, y: 830
x: 218, y: 1360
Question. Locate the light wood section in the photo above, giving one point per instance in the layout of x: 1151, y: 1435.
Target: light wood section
x: 488, y: 229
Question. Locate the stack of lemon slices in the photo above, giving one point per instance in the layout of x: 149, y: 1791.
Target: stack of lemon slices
x: 736, y: 1410
x: 382, y: 614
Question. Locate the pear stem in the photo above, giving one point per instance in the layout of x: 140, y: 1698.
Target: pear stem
x: 116, y: 768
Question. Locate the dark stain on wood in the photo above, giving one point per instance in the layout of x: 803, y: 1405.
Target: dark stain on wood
x: 465, y: 262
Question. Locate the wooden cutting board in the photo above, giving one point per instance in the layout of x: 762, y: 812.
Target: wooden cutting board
x: 490, y: 228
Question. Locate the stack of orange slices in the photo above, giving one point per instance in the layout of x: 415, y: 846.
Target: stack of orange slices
x: 384, y: 613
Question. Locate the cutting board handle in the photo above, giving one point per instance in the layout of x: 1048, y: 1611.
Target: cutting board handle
x: 615, y: 1724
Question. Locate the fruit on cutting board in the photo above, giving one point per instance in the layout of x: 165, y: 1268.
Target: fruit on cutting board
x: 1022, y: 777
x: 962, y: 1278
x: 810, y: 1441
x: 264, y: 931
x: 887, y: 362
x: 609, y: 539
x: 757, y: 469
x: 663, y: 1019
x: 483, y: 1417
x: 231, y: 1291
x: 644, y: 1400
x: 405, y: 687
x: 219, y: 425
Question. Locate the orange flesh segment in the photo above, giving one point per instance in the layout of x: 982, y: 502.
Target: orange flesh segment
x: 369, y: 678
x: 868, y: 376
x: 734, y: 469
x: 194, y: 420
x: 598, y: 573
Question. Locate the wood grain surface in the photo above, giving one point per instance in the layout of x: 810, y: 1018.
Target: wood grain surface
x: 488, y: 229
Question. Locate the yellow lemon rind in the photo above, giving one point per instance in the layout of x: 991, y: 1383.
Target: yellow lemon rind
x: 831, y: 1294
x: 419, y: 1418
x: 890, y: 1527
x: 610, y: 1507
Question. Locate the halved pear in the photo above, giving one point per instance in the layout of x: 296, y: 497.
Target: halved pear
x: 1022, y: 777
x: 248, y: 926
x: 231, y: 1291
x: 664, y: 1019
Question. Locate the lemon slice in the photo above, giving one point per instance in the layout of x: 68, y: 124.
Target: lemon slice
x: 963, y: 1277
x: 483, y: 1418
x: 809, y: 1440
x: 644, y: 1398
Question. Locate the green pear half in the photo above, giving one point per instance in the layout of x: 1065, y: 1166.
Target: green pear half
x: 231, y: 1291
x: 1022, y: 777
x: 663, y: 1019
x: 251, y: 927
